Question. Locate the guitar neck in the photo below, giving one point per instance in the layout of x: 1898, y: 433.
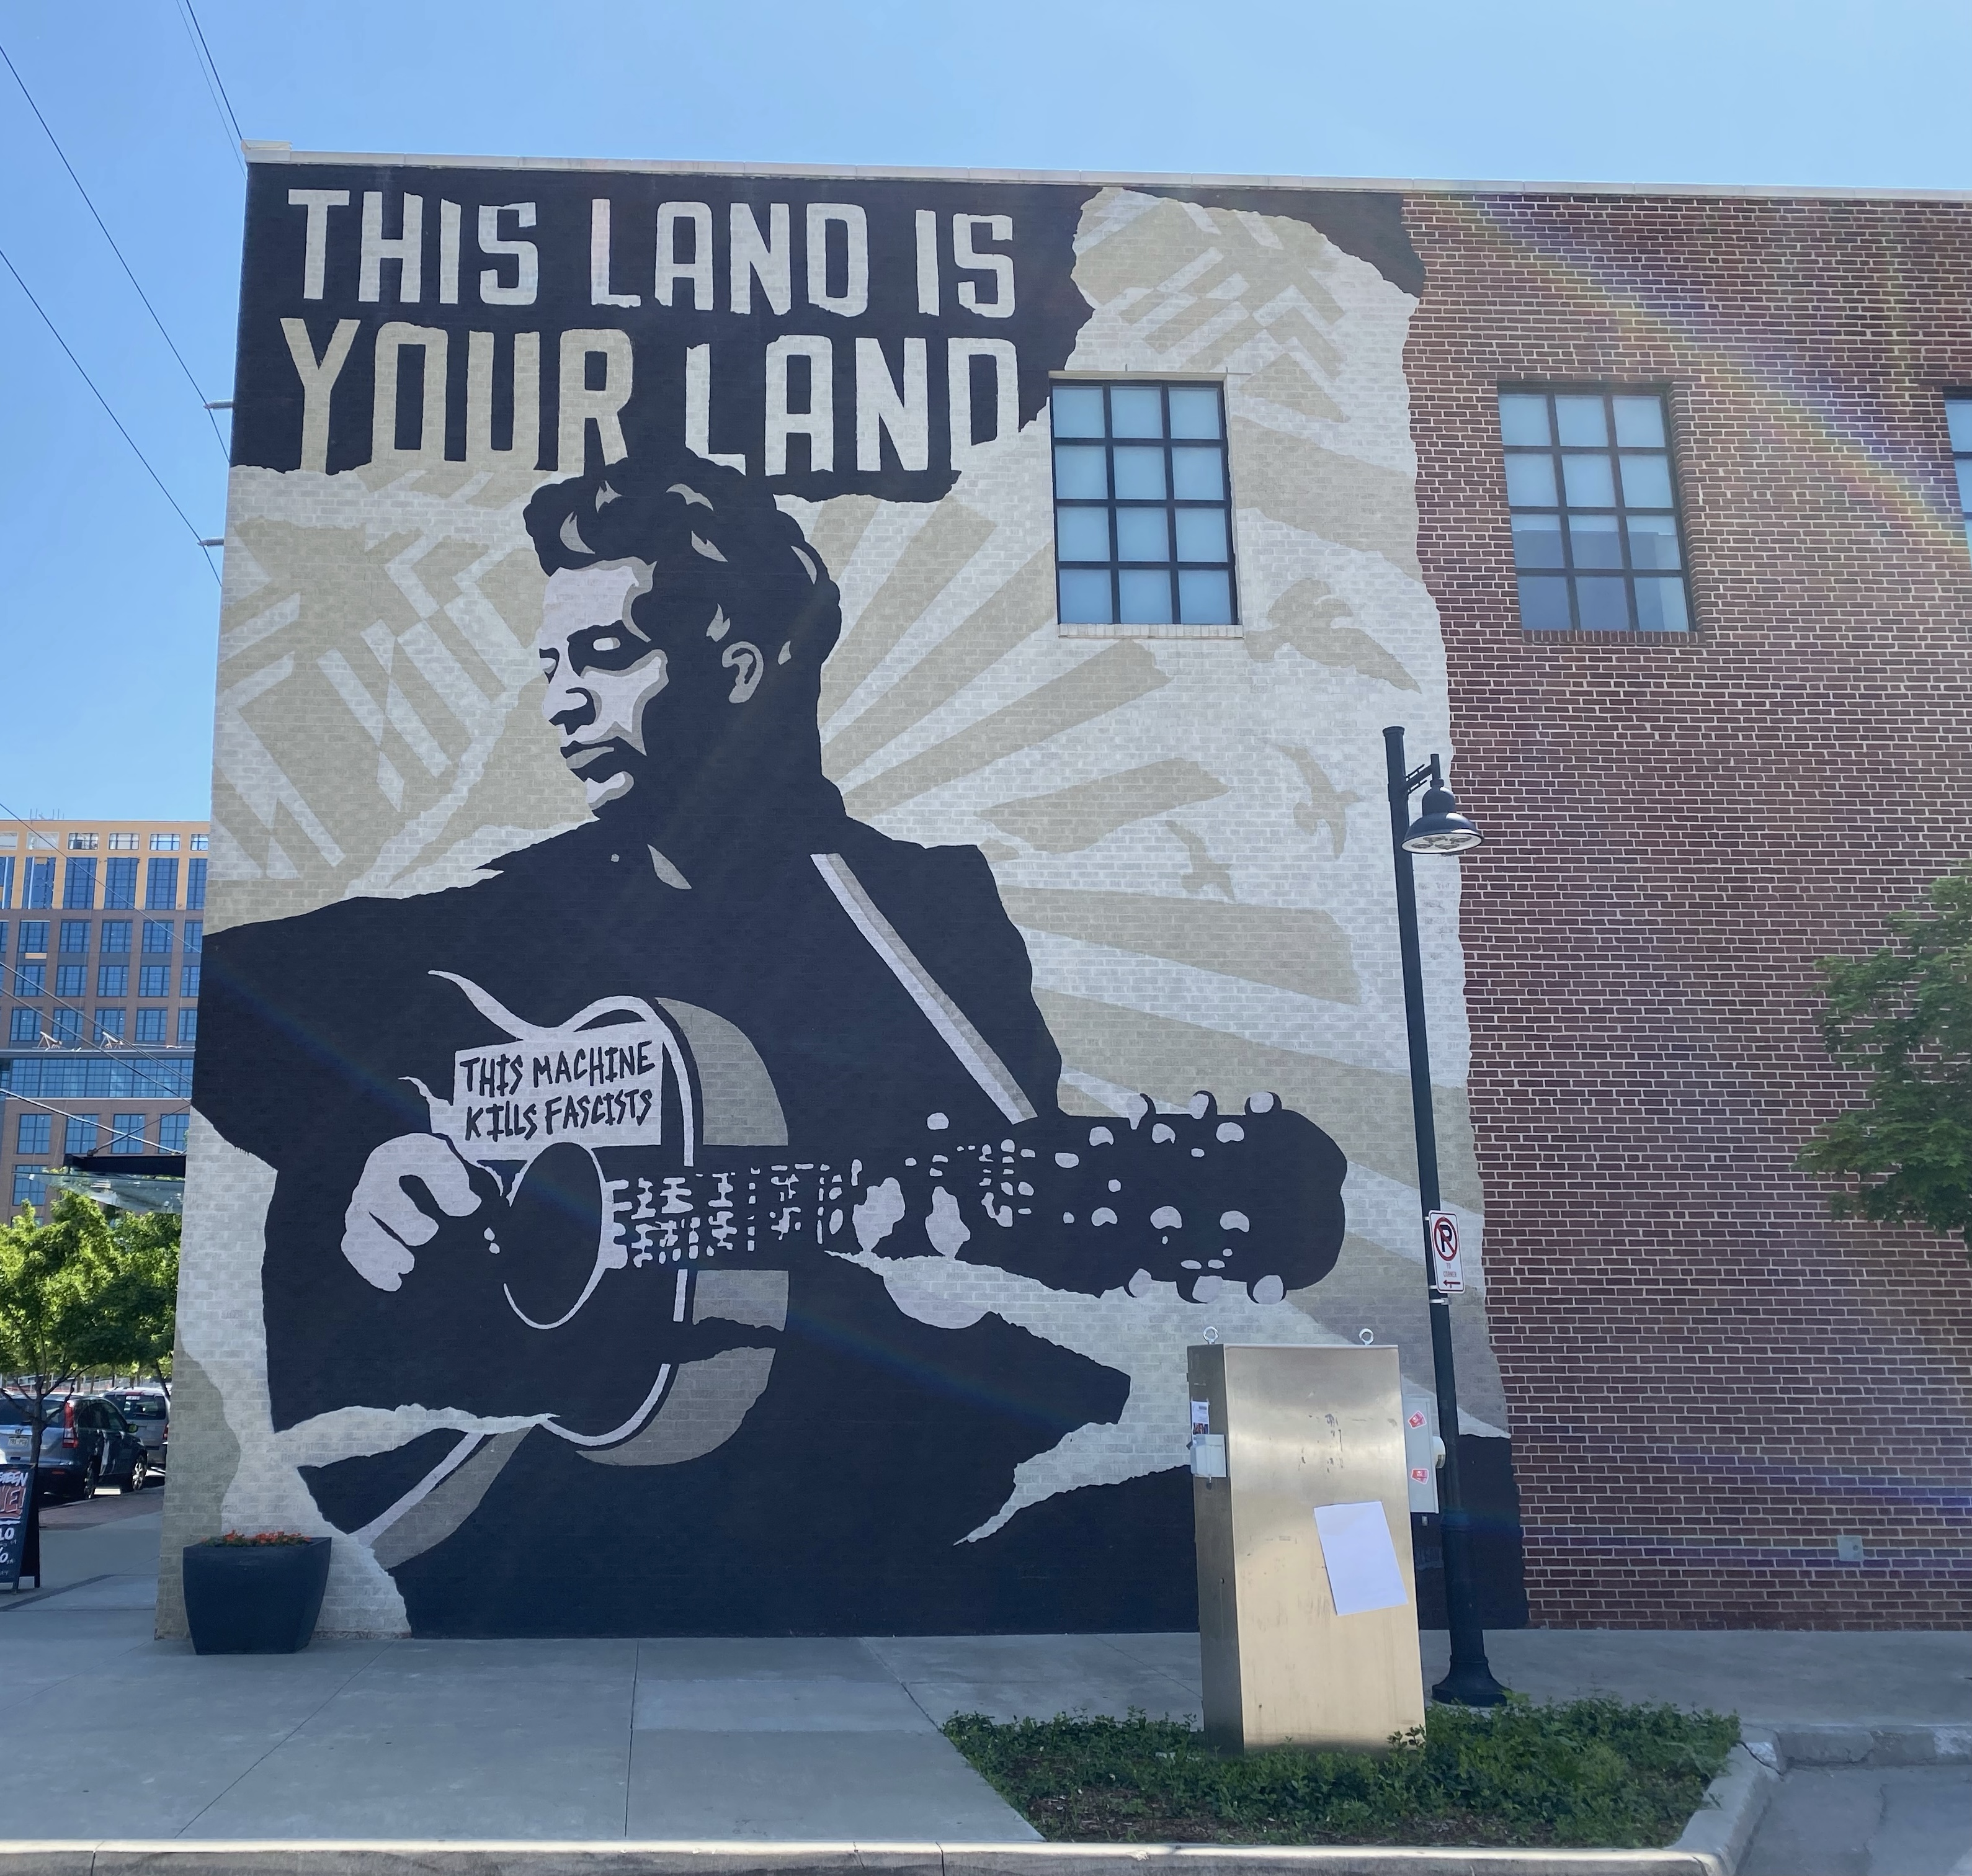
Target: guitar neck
x: 746, y: 1207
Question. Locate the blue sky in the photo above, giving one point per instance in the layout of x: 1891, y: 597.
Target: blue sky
x: 108, y: 610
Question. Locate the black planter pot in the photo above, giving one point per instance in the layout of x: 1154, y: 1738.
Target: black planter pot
x: 254, y: 1599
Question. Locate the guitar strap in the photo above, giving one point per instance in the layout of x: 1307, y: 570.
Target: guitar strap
x: 975, y: 1054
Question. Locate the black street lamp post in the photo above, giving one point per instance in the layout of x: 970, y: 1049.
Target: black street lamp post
x: 1440, y: 828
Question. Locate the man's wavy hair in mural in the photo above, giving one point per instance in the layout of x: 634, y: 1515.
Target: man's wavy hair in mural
x: 717, y: 548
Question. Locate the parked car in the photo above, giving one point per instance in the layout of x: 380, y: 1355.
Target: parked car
x: 86, y: 1442
x: 148, y: 1410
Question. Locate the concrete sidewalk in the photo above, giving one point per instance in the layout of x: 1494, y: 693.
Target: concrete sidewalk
x: 106, y: 1733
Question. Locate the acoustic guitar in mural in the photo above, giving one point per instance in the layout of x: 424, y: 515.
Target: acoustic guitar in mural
x: 575, y: 1152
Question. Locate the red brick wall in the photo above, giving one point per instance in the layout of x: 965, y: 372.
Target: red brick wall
x: 1708, y: 1380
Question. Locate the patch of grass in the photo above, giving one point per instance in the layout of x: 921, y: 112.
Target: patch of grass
x: 1594, y: 1772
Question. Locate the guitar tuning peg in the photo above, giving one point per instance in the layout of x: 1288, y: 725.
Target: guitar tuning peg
x: 1202, y: 1106
x: 1262, y: 1103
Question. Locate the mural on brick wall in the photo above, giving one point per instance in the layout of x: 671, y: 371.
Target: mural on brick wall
x: 739, y: 1047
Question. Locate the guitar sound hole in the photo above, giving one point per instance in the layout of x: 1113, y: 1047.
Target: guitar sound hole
x: 548, y: 1242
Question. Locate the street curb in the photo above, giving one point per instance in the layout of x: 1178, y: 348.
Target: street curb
x: 1722, y: 1827
x: 1836, y: 1743
x: 175, y: 1857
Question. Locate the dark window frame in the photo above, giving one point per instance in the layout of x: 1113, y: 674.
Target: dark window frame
x: 1961, y: 459
x: 1111, y: 504
x: 1567, y: 574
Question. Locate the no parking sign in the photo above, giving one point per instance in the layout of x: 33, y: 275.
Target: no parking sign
x: 1441, y: 1231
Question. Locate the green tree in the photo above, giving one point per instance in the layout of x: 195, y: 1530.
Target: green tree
x: 137, y: 1311
x: 1903, y: 1017
x: 53, y: 1278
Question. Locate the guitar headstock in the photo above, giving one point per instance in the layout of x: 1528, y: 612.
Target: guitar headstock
x: 1198, y: 1198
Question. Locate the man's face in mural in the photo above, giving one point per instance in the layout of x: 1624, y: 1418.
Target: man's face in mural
x: 607, y: 672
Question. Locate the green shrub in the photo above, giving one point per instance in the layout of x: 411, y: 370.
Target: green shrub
x: 1595, y: 1772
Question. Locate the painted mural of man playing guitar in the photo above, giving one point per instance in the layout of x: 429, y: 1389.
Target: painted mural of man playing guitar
x: 633, y: 1138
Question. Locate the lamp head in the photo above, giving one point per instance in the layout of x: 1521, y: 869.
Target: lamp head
x: 1441, y: 828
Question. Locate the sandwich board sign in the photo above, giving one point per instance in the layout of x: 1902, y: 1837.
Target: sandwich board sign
x: 19, y: 1552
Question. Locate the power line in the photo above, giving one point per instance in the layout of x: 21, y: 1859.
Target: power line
x: 121, y: 1056
x: 196, y: 536
x: 208, y: 69
x: 54, y: 144
x: 115, y: 1132
x: 191, y: 14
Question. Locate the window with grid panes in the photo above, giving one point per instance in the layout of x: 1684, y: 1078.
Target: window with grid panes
x: 171, y: 1131
x: 127, y: 1136
x: 1143, y: 523
x: 1958, y: 414
x: 1597, y: 545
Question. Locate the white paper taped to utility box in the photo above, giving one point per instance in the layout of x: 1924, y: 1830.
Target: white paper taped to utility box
x: 1364, y: 1573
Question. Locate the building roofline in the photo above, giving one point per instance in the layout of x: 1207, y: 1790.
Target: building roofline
x: 259, y: 151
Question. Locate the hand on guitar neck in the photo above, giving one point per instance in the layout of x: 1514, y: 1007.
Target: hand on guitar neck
x: 1197, y: 1199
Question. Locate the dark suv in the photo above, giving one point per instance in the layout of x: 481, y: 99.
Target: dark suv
x: 86, y: 1442
x: 148, y: 1410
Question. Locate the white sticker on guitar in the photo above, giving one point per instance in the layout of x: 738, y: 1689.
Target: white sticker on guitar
x: 585, y: 1081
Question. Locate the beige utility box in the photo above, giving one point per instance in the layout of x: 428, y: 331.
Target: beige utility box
x: 1307, y: 1600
